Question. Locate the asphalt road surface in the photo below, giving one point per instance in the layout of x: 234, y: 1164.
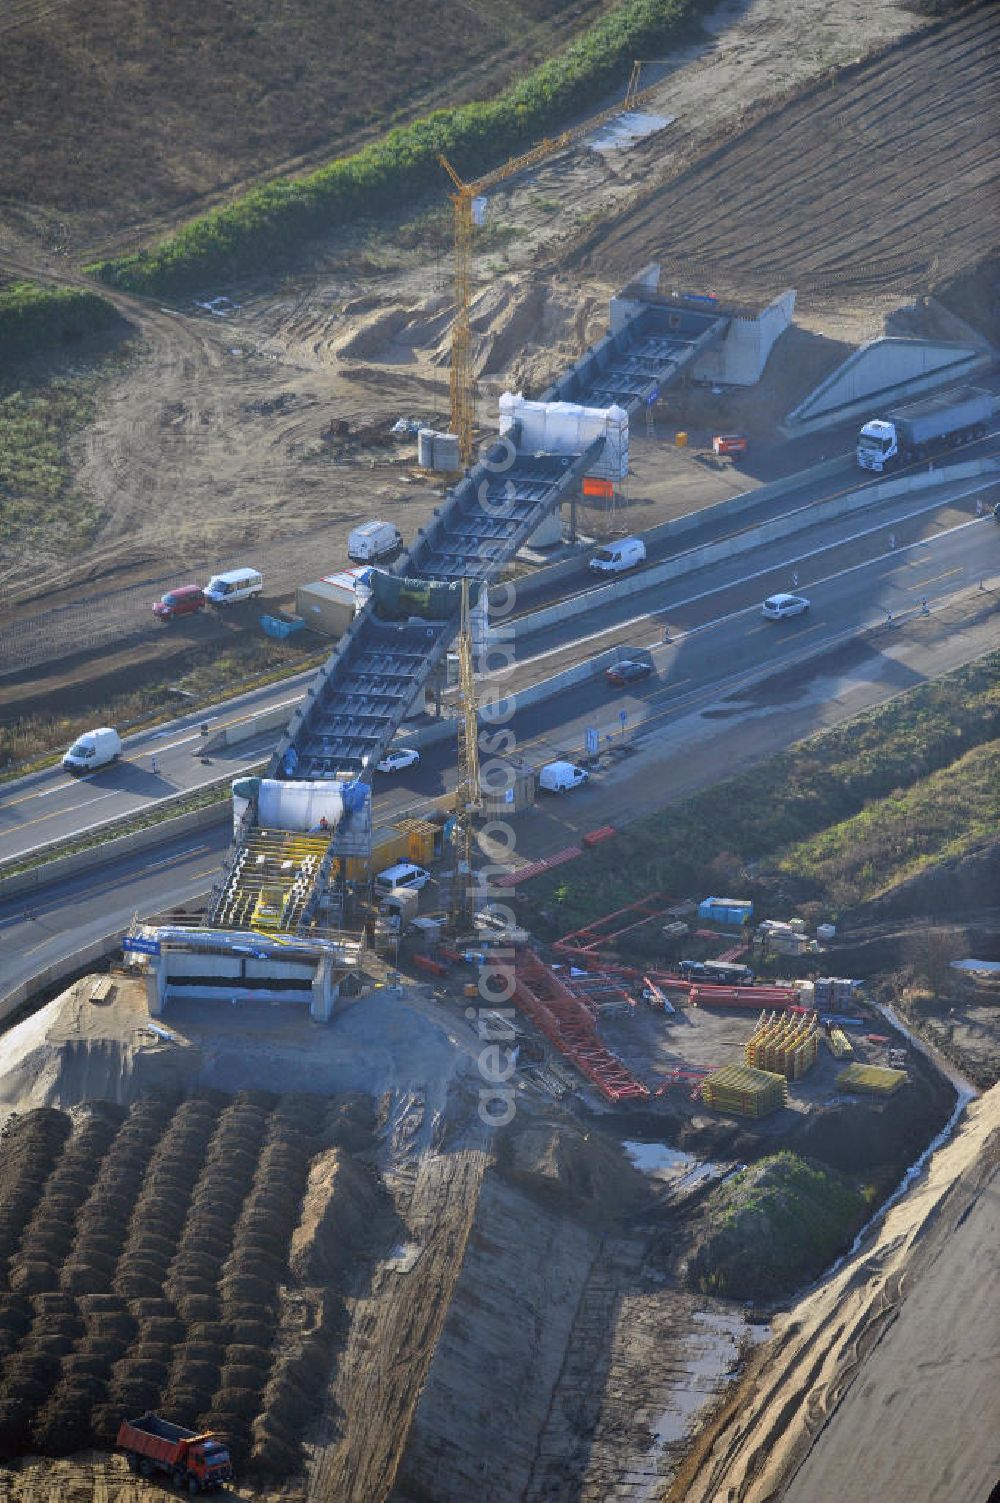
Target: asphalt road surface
x: 855, y: 569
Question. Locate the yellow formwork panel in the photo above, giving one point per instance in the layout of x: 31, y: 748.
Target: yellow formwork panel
x: 877, y: 1080
x: 745, y: 1091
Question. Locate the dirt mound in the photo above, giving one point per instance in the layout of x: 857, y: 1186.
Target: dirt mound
x: 582, y: 1171
x: 107, y: 1200
x: 338, y: 1209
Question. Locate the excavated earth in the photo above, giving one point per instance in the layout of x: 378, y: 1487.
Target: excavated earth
x: 371, y: 1296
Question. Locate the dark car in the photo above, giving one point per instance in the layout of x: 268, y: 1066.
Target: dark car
x: 628, y: 671
x: 181, y: 602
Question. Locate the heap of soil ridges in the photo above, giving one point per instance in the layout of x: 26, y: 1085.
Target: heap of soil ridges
x: 161, y: 1209
x: 104, y: 1217
x: 186, y: 1210
x: 338, y: 1210
x: 258, y: 1261
x: 30, y: 1145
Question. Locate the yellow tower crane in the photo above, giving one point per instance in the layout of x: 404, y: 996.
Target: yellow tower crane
x: 468, y: 795
x: 463, y: 378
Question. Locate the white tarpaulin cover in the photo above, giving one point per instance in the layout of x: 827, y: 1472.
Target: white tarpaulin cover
x: 568, y: 428
x: 298, y: 805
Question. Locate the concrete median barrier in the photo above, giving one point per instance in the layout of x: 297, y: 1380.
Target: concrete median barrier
x: 61, y: 867
x: 739, y: 542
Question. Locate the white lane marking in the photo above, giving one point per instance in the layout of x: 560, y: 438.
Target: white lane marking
x: 760, y: 573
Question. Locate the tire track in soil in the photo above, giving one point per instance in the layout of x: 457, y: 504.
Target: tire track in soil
x: 393, y: 1335
x: 20, y: 13
x: 826, y: 190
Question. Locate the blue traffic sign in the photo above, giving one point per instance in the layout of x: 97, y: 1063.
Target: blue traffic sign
x: 139, y: 945
x: 654, y: 397
x: 593, y: 741
x: 623, y: 716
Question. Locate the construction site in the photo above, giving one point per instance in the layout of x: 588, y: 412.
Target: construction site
x: 359, y: 1159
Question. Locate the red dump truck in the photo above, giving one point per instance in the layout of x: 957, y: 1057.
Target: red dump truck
x: 198, y: 1462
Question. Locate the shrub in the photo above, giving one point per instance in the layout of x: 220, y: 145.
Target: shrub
x: 274, y: 218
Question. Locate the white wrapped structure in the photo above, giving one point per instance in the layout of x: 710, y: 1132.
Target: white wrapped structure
x: 299, y: 806
x: 567, y: 428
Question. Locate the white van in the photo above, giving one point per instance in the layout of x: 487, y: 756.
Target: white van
x: 93, y: 749
x: 617, y: 557
x: 236, y: 585
x: 403, y: 874
x: 375, y: 540
x: 557, y: 777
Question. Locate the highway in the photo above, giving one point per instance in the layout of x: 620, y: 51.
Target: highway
x: 158, y: 764
x: 729, y: 688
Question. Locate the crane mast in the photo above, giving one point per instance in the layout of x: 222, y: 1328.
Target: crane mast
x: 463, y: 377
x: 468, y: 797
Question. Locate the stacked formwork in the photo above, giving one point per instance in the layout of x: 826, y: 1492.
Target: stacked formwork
x: 785, y: 1044
x: 745, y: 1091
x: 874, y: 1080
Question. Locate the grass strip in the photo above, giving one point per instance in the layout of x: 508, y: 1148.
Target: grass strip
x: 269, y: 223
x: 788, y: 799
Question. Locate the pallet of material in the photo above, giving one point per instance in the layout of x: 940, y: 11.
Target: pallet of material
x: 840, y: 1044
x: 745, y: 1091
x: 875, y: 1080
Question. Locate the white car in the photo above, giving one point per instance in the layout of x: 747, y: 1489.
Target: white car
x: 397, y: 758
x: 777, y: 607
x: 403, y: 874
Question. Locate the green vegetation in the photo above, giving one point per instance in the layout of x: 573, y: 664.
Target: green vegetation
x: 34, y: 320
x: 895, y: 838
x: 793, y: 798
x: 774, y: 1225
x: 273, y: 220
x: 35, y: 428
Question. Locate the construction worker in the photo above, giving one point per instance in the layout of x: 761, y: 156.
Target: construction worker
x: 154, y: 765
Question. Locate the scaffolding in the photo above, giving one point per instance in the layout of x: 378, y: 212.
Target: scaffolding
x: 271, y: 881
x: 874, y: 1080
x: 745, y: 1091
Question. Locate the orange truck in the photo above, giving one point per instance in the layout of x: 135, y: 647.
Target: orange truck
x: 198, y: 1462
x: 730, y: 443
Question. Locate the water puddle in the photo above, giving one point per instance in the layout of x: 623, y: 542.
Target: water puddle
x: 624, y: 130
x: 682, y: 1171
x: 708, y: 1356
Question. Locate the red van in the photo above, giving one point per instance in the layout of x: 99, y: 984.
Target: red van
x: 181, y: 602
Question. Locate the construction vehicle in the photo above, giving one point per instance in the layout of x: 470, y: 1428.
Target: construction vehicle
x: 196, y: 1461
x: 924, y: 428
x: 469, y: 206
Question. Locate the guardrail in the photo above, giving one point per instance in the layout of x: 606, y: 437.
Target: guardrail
x: 48, y: 866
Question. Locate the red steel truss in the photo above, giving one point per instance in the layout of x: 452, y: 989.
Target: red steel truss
x: 569, y: 1022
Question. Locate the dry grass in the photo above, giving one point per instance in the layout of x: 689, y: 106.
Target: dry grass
x: 177, y: 102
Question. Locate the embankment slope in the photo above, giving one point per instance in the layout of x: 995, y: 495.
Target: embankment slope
x: 886, y: 1380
